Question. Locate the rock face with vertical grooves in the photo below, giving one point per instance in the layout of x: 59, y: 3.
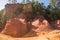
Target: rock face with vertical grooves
x: 12, y: 9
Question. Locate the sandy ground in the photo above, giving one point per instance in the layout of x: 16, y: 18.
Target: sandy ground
x: 54, y: 35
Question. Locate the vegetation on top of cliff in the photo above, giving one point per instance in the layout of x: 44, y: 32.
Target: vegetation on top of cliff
x: 51, y: 12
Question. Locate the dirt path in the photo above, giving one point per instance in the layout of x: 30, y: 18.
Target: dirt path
x: 5, y: 37
x: 54, y: 35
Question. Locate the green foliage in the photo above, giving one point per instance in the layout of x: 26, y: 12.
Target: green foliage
x: 36, y: 7
x: 1, y: 12
x: 2, y: 20
x: 52, y: 13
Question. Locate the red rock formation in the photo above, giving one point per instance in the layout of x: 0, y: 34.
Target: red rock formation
x: 57, y: 24
x: 16, y: 27
x: 40, y: 26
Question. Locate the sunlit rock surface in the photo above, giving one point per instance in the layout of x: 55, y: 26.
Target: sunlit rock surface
x: 41, y: 27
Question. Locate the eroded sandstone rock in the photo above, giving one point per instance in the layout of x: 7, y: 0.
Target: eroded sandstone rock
x: 15, y: 27
x: 56, y: 24
x: 41, y: 27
